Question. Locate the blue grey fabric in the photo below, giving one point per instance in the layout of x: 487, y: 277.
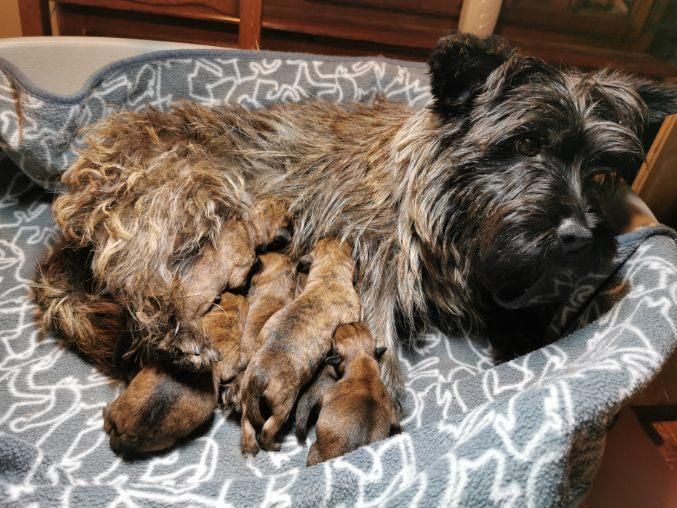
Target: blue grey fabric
x: 528, y: 432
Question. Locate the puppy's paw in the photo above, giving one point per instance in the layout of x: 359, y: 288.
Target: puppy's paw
x: 127, y: 437
x: 191, y: 350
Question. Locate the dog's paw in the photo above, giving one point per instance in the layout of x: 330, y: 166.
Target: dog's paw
x: 128, y: 436
x: 199, y: 359
x: 191, y: 350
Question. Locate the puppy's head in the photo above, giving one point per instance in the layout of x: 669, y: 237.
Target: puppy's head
x: 272, y: 265
x: 328, y: 256
x: 270, y: 224
x: 351, y: 340
x: 526, y: 154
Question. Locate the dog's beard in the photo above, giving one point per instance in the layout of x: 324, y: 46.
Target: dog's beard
x: 517, y: 281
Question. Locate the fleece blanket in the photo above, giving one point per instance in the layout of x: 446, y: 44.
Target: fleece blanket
x: 529, y: 432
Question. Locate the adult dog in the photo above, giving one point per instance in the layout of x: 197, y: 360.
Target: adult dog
x: 458, y: 213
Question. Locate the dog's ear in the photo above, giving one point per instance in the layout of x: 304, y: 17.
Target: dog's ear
x: 378, y: 352
x: 304, y: 263
x: 459, y: 66
x: 334, y: 360
x: 661, y: 101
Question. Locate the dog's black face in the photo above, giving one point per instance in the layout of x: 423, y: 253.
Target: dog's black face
x: 533, y: 151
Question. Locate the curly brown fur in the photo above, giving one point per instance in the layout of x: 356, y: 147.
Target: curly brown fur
x: 357, y: 410
x: 165, y: 297
x: 296, y: 339
x: 453, y: 211
x: 271, y: 288
x: 72, y: 306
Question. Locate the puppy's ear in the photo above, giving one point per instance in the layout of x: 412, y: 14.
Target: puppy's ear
x: 334, y: 360
x: 378, y: 352
x: 459, y: 66
x: 304, y: 263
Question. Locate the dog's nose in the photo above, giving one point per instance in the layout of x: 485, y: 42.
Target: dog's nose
x: 573, y: 235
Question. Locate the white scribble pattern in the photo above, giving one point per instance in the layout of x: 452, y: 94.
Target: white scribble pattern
x: 525, y: 433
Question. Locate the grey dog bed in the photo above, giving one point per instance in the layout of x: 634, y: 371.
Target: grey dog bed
x: 527, y: 432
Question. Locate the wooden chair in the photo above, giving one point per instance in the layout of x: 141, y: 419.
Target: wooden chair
x: 35, y: 17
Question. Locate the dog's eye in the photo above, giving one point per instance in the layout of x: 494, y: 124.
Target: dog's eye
x: 528, y: 147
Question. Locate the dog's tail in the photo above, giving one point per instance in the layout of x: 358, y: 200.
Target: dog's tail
x: 70, y: 306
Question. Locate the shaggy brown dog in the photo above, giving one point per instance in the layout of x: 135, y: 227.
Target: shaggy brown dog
x: 161, y: 404
x: 271, y: 288
x: 357, y: 410
x: 295, y: 342
x: 457, y: 212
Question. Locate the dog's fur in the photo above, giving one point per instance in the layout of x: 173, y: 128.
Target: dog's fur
x: 357, y: 410
x: 224, y: 325
x: 296, y: 339
x: 450, y: 209
x: 162, y: 318
x: 162, y: 404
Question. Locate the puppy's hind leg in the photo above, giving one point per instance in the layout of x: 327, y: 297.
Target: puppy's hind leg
x: 311, y: 400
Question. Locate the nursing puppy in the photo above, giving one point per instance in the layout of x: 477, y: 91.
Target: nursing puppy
x: 272, y: 287
x: 296, y: 340
x: 162, y: 404
x: 357, y: 410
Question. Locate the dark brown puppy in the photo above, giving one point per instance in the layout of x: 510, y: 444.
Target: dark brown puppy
x: 162, y: 405
x: 311, y: 399
x: 271, y: 288
x: 357, y: 410
x: 296, y: 340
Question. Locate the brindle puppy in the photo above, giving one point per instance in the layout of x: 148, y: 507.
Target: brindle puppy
x: 271, y: 288
x: 357, y: 410
x: 295, y: 341
x: 161, y: 404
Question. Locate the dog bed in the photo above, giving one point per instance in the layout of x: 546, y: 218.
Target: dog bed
x: 527, y: 432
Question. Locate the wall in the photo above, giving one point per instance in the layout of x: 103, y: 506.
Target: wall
x: 10, y: 25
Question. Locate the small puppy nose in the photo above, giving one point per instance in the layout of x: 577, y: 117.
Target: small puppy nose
x: 573, y: 235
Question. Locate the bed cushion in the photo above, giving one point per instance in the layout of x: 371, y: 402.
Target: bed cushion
x: 530, y: 431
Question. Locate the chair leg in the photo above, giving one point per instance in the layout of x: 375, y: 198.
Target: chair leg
x: 35, y: 17
x: 250, y: 23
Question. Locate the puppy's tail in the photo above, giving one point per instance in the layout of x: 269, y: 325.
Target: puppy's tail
x: 69, y: 306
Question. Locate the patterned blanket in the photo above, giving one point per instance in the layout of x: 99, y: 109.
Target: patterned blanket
x: 527, y: 432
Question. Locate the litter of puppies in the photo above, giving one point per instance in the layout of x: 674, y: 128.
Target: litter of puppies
x: 294, y: 340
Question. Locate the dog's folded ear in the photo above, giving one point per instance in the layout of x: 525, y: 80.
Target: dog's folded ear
x: 661, y: 101
x: 459, y: 66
